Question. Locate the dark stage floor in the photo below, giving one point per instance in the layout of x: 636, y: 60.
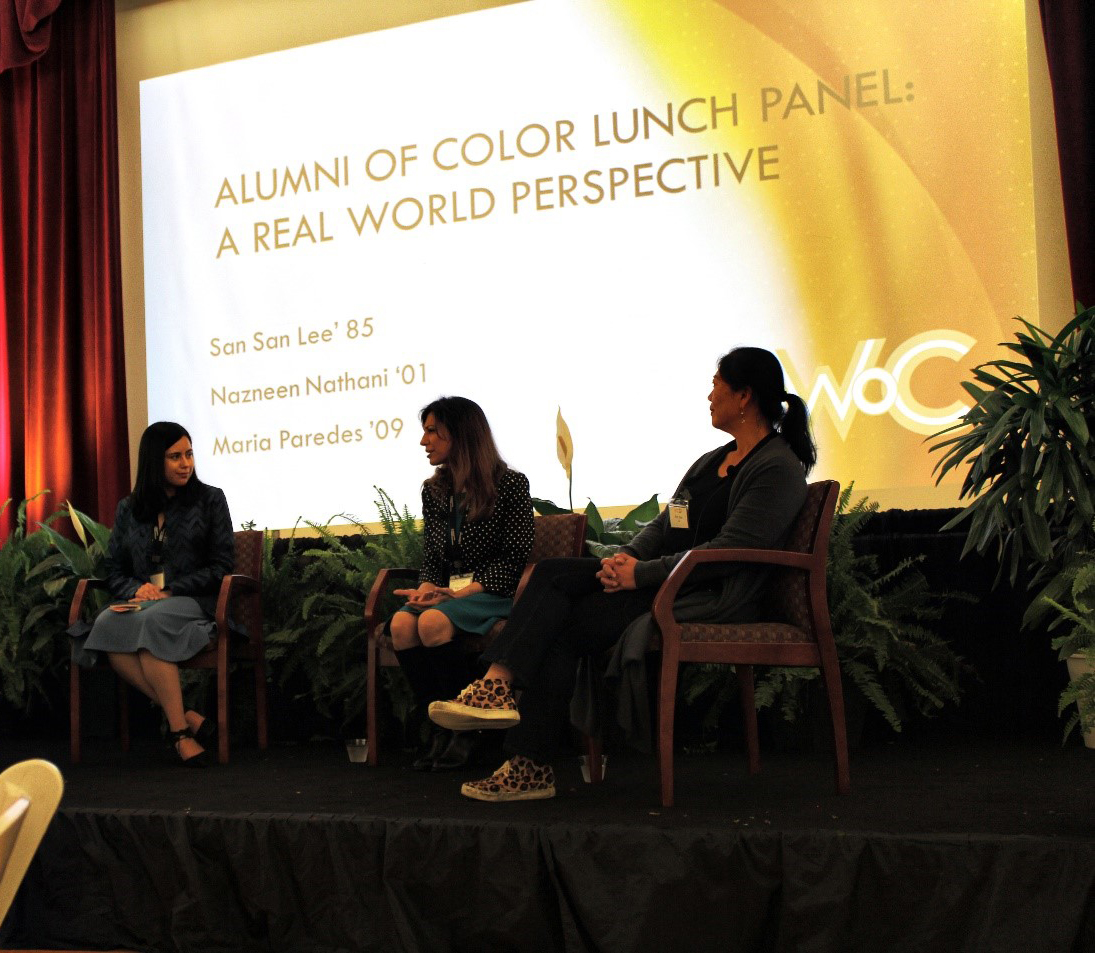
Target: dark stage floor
x: 946, y: 783
x: 947, y: 843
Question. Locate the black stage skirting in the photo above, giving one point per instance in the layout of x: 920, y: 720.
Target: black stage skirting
x: 953, y: 842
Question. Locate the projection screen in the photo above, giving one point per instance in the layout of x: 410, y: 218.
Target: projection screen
x: 573, y: 208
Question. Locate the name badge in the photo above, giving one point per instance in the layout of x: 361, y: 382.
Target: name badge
x: 678, y: 514
x: 456, y: 583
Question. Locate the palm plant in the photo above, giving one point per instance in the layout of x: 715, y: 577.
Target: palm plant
x: 1028, y: 450
x: 1077, y: 607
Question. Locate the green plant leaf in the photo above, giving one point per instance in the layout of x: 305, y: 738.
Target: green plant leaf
x: 75, y: 555
x: 36, y: 614
x: 51, y: 562
x: 1075, y: 421
x: 546, y: 507
x: 54, y: 587
x: 594, y: 524
x: 1038, y: 423
x: 1036, y: 530
x: 1003, y: 426
x: 1050, y: 486
x: 641, y: 515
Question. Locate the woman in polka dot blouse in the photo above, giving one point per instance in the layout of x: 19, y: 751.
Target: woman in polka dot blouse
x: 477, y: 531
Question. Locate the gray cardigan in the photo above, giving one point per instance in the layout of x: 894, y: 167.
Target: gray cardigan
x: 765, y: 497
x: 767, y: 493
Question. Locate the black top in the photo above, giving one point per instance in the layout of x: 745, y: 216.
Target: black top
x: 707, y: 493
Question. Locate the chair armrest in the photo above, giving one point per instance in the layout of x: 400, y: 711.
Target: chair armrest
x: 231, y: 585
x: 662, y: 608
x: 76, y: 607
x: 385, y: 580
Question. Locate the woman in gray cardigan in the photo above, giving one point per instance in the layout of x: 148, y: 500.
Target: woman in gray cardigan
x: 169, y: 549
x: 746, y: 493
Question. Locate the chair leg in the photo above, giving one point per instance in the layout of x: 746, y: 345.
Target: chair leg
x: 667, y: 702
x: 123, y: 713
x: 74, y: 712
x: 830, y: 671
x: 372, y: 756
x: 222, y: 711
x: 595, y: 756
x: 260, y: 701
x: 749, y: 716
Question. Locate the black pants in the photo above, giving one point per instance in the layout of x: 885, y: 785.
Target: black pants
x: 564, y: 613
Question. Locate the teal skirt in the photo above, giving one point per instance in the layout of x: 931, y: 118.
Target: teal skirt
x: 476, y: 613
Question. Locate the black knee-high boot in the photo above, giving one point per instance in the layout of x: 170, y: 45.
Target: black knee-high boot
x: 416, y: 665
x: 449, y: 665
x: 452, y: 673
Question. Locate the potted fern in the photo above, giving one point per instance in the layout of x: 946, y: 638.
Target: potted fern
x: 30, y: 618
x: 316, y: 641
x: 883, y: 625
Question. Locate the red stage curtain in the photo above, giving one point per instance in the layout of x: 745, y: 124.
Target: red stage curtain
x: 24, y: 30
x: 1069, y: 27
x: 62, y: 400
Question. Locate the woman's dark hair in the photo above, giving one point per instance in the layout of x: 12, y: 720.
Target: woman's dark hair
x: 474, y: 463
x: 150, y: 489
x: 760, y: 371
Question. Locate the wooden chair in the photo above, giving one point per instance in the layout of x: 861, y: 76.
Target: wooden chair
x: 240, y: 597
x: 29, y: 794
x: 556, y: 535
x: 798, y: 633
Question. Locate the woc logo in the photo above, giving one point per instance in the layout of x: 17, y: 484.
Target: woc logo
x: 886, y: 389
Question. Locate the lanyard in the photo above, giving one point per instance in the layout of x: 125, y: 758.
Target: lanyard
x: 456, y: 526
x: 159, y: 534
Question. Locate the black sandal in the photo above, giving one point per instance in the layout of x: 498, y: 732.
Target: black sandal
x: 206, y: 732
x: 199, y: 760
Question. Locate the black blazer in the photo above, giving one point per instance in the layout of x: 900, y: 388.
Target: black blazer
x: 199, y: 549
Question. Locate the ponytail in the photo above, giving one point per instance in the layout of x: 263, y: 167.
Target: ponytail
x: 794, y: 427
x: 760, y: 371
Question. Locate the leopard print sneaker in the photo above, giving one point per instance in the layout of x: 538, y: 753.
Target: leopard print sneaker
x: 519, y: 779
x: 485, y: 703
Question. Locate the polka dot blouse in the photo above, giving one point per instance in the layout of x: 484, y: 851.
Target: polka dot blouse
x: 494, y: 550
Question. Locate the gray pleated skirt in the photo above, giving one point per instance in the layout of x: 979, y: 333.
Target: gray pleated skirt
x: 172, y: 629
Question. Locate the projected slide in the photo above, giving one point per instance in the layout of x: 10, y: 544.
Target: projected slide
x: 578, y: 207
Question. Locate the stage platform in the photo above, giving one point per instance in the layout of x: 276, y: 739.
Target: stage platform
x: 949, y: 842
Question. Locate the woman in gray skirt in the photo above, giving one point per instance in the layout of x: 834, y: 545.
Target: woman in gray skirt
x: 477, y: 536
x: 170, y: 547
